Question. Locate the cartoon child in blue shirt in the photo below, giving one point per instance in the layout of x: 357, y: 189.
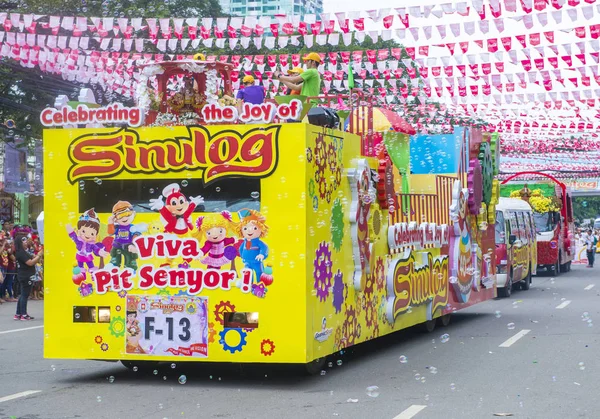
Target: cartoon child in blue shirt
x: 253, y: 251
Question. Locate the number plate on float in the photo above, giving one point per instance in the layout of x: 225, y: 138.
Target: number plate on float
x: 167, y: 326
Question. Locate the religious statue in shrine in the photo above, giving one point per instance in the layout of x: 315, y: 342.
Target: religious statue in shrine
x: 187, y: 99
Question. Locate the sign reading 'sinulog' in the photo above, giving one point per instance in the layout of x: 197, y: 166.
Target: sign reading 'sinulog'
x: 217, y: 155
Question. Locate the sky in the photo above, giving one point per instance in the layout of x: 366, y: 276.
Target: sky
x: 331, y: 6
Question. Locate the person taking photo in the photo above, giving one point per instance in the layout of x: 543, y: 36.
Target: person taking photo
x: 26, y: 274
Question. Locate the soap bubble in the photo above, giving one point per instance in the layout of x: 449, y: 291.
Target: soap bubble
x: 585, y: 316
x: 77, y: 315
x: 164, y: 378
x: 423, y: 379
x: 452, y: 386
x: 173, y: 365
x: 182, y: 379
x: 339, y: 362
x: 433, y: 370
x: 403, y: 359
x: 255, y: 195
x: 155, y: 372
x: 111, y: 379
x: 445, y: 338
x: 99, y: 399
x: 323, y: 372
x: 581, y: 366
x: 53, y: 368
x: 135, y: 369
x: 151, y: 190
x: 218, y: 189
x: 184, y: 183
x: 160, y: 406
x: 510, y: 326
x: 330, y: 364
x: 98, y: 181
x: 418, y: 377
x: 373, y: 391
x: 498, y: 314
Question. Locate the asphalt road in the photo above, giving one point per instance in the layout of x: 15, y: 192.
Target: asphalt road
x: 470, y: 376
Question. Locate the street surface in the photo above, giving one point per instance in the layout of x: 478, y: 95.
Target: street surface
x: 534, y: 355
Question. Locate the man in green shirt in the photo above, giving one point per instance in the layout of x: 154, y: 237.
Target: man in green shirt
x: 309, y: 82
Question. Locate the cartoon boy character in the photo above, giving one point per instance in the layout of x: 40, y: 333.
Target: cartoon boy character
x: 218, y: 247
x: 120, y: 225
x: 88, y: 227
x: 253, y: 250
x: 176, y: 211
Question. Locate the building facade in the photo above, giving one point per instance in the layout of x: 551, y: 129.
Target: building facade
x: 271, y: 7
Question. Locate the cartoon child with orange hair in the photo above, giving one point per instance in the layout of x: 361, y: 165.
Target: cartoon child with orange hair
x: 217, y: 249
x: 253, y: 250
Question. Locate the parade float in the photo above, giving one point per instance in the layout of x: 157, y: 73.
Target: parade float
x: 183, y: 234
x: 553, y: 215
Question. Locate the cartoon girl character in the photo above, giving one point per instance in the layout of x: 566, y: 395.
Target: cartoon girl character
x: 88, y: 227
x: 176, y: 211
x: 253, y: 250
x: 218, y: 248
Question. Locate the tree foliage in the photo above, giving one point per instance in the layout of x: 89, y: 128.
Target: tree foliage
x: 113, y: 8
x: 586, y: 207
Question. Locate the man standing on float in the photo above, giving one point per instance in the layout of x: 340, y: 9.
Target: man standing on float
x: 308, y: 82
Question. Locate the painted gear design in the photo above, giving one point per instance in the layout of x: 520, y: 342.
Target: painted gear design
x: 495, y: 152
x: 376, y: 330
x: 323, y: 190
x: 315, y: 202
x: 338, y: 176
x: 335, y: 143
x: 221, y: 308
x: 337, y: 225
x: 98, y: 340
x: 331, y: 157
x: 328, y: 195
x: 309, y: 155
x: 211, y: 332
x: 380, y: 274
x: 487, y: 171
x: 377, y: 222
x: 267, y: 347
x: 117, y: 327
x: 370, y: 314
x: 311, y: 187
x: 320, y: 159
x: 122, y: 293
x: 182, y: 293
x: 338, y: 291
x: 337, y: 339
x: 322, y: 273
x: 350, y: 326
x: 104, y: 347
x: 236, y: 348
x: 358, y: 302
x: 474, y: 184
x: 369, y: 285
